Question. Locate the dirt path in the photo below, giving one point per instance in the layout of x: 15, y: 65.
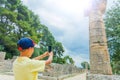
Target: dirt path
x: 77, y: 77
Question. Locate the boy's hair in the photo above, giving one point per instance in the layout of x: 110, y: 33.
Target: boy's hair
x: 25, y: 43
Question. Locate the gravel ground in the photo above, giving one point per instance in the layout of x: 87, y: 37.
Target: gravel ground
x: 77, y: 77
x: 6, y: 77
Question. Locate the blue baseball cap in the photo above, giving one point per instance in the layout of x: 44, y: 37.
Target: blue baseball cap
x: 25, y: 43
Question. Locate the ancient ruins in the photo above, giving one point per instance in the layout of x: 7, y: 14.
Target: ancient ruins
x: 99, y: 55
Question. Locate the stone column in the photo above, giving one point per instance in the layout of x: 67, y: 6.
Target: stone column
x: 99, y: 55
x: 2, y: 61
x: 2, y: 56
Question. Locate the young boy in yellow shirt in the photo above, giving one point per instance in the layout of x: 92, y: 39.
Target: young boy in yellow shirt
x: 25, y: 68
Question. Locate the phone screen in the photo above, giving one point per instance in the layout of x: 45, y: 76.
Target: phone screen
x: 49, y: 48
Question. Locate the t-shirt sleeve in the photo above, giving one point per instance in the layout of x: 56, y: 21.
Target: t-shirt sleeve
x: 37, y: 65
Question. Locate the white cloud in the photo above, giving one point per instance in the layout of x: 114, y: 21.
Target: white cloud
x: 67, y: 17
x: 53, y: 19
x: 71, y: 6
x: 66, y: 20
x: 25, y: 2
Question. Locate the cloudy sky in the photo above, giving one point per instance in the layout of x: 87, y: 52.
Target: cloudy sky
x: 66, y: 20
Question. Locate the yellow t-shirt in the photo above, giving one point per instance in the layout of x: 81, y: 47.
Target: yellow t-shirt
x: 27, y: 69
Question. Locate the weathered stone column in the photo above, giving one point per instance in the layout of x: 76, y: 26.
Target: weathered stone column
x: 2, y: 56
x: 2, y: 61
x: 99, y: 55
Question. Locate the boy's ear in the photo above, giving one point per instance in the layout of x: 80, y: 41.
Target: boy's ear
x: 20, y: 48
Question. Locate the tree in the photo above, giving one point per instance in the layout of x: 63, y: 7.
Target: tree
x: 17, y: 21
x: 7, y: 19
x: 85, y: 65
x: 112, y: 23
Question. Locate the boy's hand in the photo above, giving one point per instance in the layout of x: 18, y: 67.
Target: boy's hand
x: 50, y: 58
x: 51, y: 54
x: 46, y: 54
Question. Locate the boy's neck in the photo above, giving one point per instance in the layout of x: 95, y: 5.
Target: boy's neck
x: 24, y: 53
x: 27, y: 52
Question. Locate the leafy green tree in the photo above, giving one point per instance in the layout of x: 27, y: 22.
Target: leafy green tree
x: 85, y: 65
x: 2, y: 2
x: 7, y: 19
x: 112, y: 23
x: 12, y: 4
x: 17, y: 21
x: 68, y: 59
x: 1, y: 48
x: 115, y: 67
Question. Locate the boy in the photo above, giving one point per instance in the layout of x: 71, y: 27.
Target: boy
x: 25, y: 68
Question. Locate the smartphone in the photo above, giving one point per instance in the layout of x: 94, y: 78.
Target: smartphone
x: 49, y: 48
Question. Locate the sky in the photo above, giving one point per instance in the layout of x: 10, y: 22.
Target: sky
x: 68, y: 24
